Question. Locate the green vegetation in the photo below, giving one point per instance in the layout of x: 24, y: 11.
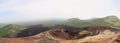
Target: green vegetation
x: 10, y: 29
x: 110, y: 21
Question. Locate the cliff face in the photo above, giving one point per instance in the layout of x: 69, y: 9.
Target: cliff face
x: 94, y: 34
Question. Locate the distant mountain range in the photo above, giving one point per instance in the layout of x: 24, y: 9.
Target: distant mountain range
x: 109, y: 21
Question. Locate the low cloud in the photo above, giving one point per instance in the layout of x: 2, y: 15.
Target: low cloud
x: 50, y: 9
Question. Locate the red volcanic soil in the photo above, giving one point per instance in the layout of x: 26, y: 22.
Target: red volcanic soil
x: 20, y: 40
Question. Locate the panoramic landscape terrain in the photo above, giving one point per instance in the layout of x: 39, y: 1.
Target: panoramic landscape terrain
x: 73, y: 30
x: 59, y: 21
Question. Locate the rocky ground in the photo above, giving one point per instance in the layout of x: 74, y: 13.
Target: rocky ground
x: 95, y: 34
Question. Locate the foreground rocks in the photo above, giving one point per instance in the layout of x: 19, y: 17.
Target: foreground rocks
x: 94, y: 34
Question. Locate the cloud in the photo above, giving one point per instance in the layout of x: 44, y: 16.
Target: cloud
x: 51, y: 9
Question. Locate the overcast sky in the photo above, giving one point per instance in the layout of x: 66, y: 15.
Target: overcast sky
x: 29, y: 10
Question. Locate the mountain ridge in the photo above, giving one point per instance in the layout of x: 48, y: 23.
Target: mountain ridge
x: 109, y: 21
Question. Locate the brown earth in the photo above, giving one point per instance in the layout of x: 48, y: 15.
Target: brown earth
x: 20, y: 40
x: 94, y: 34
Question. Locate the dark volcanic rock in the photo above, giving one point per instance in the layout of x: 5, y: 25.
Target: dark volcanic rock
x: 32, y: 30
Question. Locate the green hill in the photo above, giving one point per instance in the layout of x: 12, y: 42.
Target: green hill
x: 10, y: 30
x: 109, y: 21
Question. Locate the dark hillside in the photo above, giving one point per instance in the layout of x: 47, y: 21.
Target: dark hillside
x: 32, y: 30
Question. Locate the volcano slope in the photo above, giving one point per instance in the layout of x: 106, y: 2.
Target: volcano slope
x: 93, y: 34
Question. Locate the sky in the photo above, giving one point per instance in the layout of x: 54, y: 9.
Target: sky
x: 30, y: 10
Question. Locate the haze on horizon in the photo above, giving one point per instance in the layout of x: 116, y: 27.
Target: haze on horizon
x: 29, y: 10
